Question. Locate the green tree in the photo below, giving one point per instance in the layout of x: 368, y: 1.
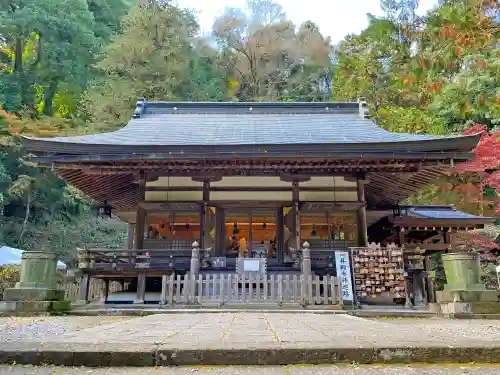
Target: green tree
x: 156, y: 57
x: 269, y: 57
x: 49, y: 46
x: 447, y: 81
x: 46, y: 55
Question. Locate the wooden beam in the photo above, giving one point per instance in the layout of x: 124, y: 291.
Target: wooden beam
x: 355, y: 178
x: 207, y: 178
x: 200, y: 171
x: 428, y: 246
x: 170, y: 206
x: 253, y: 188
x: 292, y: 178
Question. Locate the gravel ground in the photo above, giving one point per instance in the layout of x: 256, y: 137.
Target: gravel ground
x: 284, y: 370
x: 488, y: 330
x: 38, y: 328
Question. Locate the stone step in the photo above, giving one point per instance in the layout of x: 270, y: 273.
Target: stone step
x: 122, y: 354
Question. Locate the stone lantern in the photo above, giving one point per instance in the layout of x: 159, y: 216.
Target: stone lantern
x: 37, y: 290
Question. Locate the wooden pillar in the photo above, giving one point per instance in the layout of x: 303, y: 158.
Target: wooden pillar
x: 362, y: 225
x: 141, y: 213
x: 130, y: 240
x: 280, y: 235
x: 220, y: 230
x: 141, y: 288
x: 105, y: 293
x: 401, y: 236
x: 250, y: 230
x: 296, y: 214
x: 204, y: 213
x: 84, y: 288
x: 448, y: 236
x: 130, y: 236
x: 431, y: 295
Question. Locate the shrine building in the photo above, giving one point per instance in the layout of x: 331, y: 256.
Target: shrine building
x: 256, y: 180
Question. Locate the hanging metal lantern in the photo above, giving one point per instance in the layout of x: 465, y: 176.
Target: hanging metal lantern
x: 103, y: 210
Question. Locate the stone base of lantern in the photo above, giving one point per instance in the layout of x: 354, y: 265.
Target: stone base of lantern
x: 33, y: 301
x: 27, y: 308
x: 33, y: 294
x: 446, y: 296
x: 466, y: 303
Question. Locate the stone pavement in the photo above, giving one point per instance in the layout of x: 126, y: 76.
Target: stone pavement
x: 258, y: 370
x: 252, y: 339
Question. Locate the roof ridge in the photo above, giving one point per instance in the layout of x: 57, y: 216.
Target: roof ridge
x: 144, y: 107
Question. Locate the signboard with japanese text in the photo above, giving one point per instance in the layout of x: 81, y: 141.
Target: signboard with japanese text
x: 343, y: 266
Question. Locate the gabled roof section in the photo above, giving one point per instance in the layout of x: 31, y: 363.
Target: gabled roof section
x: 419, y: 215
x: 165, y: 126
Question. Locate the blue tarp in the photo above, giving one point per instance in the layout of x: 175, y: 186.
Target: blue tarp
x: 445, y: 214
x: 10, y: 255
x: 440, y: 212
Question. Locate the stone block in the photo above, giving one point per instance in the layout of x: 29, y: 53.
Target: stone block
x: 459, y: 286
x: 446, y: 296
x: 33, y: 307
x: 466, y: 309
x: 33, y: 294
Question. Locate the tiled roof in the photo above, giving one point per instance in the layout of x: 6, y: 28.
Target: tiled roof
x: 224, y: 124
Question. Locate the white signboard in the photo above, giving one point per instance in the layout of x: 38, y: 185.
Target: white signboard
x: 251, y: 265
x: 343, y: 265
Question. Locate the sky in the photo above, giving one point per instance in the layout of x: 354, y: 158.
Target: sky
x: 336, y: 18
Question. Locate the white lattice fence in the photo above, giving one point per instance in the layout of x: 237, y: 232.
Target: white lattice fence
x: 227, y: 288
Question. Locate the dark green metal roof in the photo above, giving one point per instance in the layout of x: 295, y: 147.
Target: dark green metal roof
x: 188, y: 126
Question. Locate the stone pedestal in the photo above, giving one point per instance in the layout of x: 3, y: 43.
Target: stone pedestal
x: 464, y: 294
x: 36, y: 291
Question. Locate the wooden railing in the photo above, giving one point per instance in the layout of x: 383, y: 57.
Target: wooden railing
x: 128, y: 259
x: 171, y: 259
x: 229, y: 289
x: 96, y: 290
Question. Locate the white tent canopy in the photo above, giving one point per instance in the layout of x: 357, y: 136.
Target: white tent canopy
x: 12, y: 256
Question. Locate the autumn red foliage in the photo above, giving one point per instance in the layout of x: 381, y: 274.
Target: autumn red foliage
x: 487, y: 158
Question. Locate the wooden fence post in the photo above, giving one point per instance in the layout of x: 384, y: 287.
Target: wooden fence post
x: 84, y: 286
